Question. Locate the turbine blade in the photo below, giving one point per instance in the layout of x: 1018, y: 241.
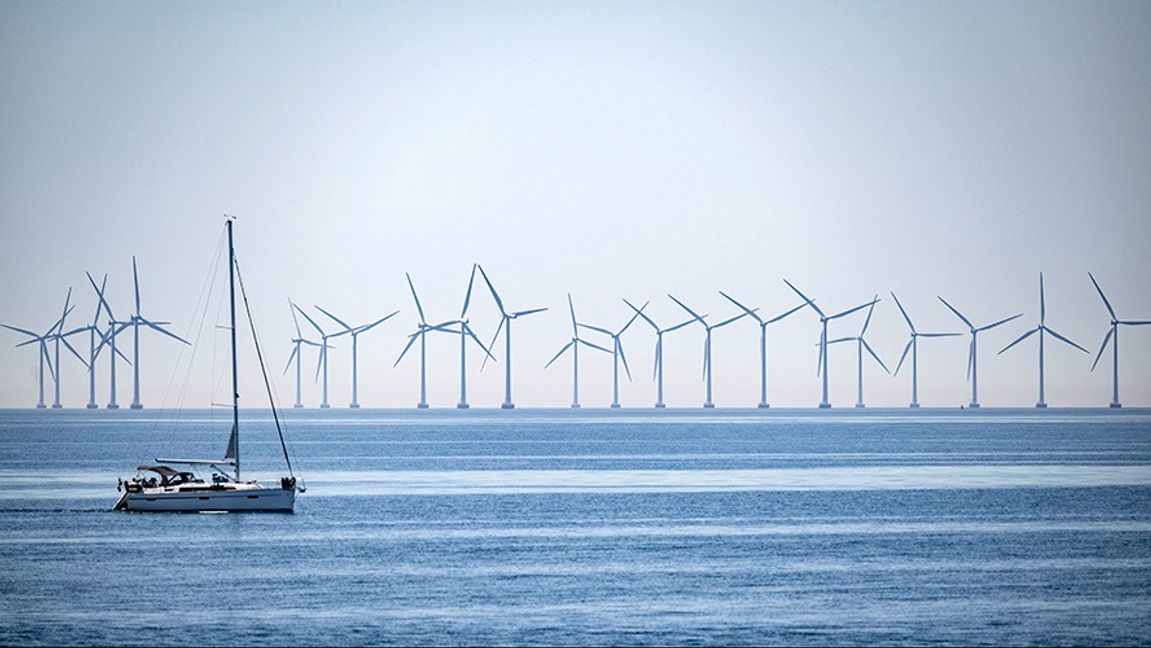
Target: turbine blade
x: 557, y: 355
x: 693, y: 313
x: 729, y: 320
x: 419, y: 308
x: 970, y: 357
x: 310, y: 320
x: 870, y: 310
x: 411, y: 341
x: 822, y: 350
x: 639, y: 311
x: 619, y: 345
x: 123, y: 357
x: 779, y: 317
x: 804, y: 297
x: 909, y: 324
x: 472, y: 335
x: 1002, y: 321
x: 164, y: 331
x: 852, y: 310
x: 658, y: 355
x: 1018, y: 340
x: 368, y: 327
x: 530, y: 311
x: 957, y: 313
x: 874, y: 355
x: 495, y: 295
x: 320, y: 361
x: 48, y: 360
x: 596, y: 328
x: 629, y: 322
x: 1135, y: 323
x: 295, y: 320
x: 938, y: 335
x: 295, y: 352
x: 680, y: 325
x: 1060, y: 337
x: 706, y: 357
x: 136, y: 283
x: 468, y: 294
x: 592, y: 345
x: 745, y: 308
x: 19, y: 330
x: 903, y: 356
x: 1042, y: 301
x: 494, y: 338
x: 1104, y: 297
x: 74, y: 352
x: 1102, y: 347
x: 334, y: 318
x: 571, y: 309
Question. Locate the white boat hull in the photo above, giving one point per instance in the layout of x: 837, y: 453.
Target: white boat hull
x: 247, y: 500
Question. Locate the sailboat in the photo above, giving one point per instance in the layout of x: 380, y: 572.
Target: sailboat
x: 162, y: 488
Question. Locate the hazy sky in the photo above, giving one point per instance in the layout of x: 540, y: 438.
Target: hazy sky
x: 609, y: 149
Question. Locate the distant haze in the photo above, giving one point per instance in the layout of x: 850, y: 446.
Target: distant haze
x: 607, y: 149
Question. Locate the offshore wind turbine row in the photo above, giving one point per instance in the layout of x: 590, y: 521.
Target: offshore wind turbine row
x: 105, y: 328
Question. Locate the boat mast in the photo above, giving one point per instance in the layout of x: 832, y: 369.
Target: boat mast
x: 235, y: 385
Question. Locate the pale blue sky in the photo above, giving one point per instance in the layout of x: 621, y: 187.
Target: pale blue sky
x: 607, y: 149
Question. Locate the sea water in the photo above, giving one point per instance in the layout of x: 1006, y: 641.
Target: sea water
x: 590, y: 527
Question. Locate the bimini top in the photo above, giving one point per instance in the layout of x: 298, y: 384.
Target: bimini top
x: 164, y: 471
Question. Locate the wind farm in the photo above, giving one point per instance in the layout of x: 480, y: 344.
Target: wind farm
x: 52, y: 345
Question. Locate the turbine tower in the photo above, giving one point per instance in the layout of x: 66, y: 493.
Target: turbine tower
x: 913, y: 346
x: 322, y: 360
x: 136, y: 320
x: 617, y: 354
x: 708, y: 404
x: 763, y: 324
x: 657, y: 371
x: 973, y: 355
x: 421, y: 334
x: 466, y: 332
x: 1042, y: 329
x: 860, y: 345
x: 355, y: 332
x: 506, y: 325
x: 574, y: 346
x: 94, y: 331
x: 59, y: 337
x: 297, y: 352
x: 823, y: 320
x: 42, y: 342
x: 1112, y: 336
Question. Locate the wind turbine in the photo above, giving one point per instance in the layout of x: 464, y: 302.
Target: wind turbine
x: 42, y: 342
x: 59, y: 337
x: 708, y: 404
x: 763, y: 324
x: 297, y: 352
x: 355, y: 332
x: 860, y: 345
x: 823, y: 320
x: 94, y: 331
x: 136, y: 320
x: 617, y: 354
x: 465, y: 333
x: 973, y: 355
x: 421, y: 334
x: 1041, y: 329
x: 913, y: 346
x: 322, y: 361
x: 506, y: 325
x: 657, y: 372
x: 574, y: 346
x: 1112, y: 334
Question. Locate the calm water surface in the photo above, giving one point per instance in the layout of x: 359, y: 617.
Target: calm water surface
x: 591, y: 527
